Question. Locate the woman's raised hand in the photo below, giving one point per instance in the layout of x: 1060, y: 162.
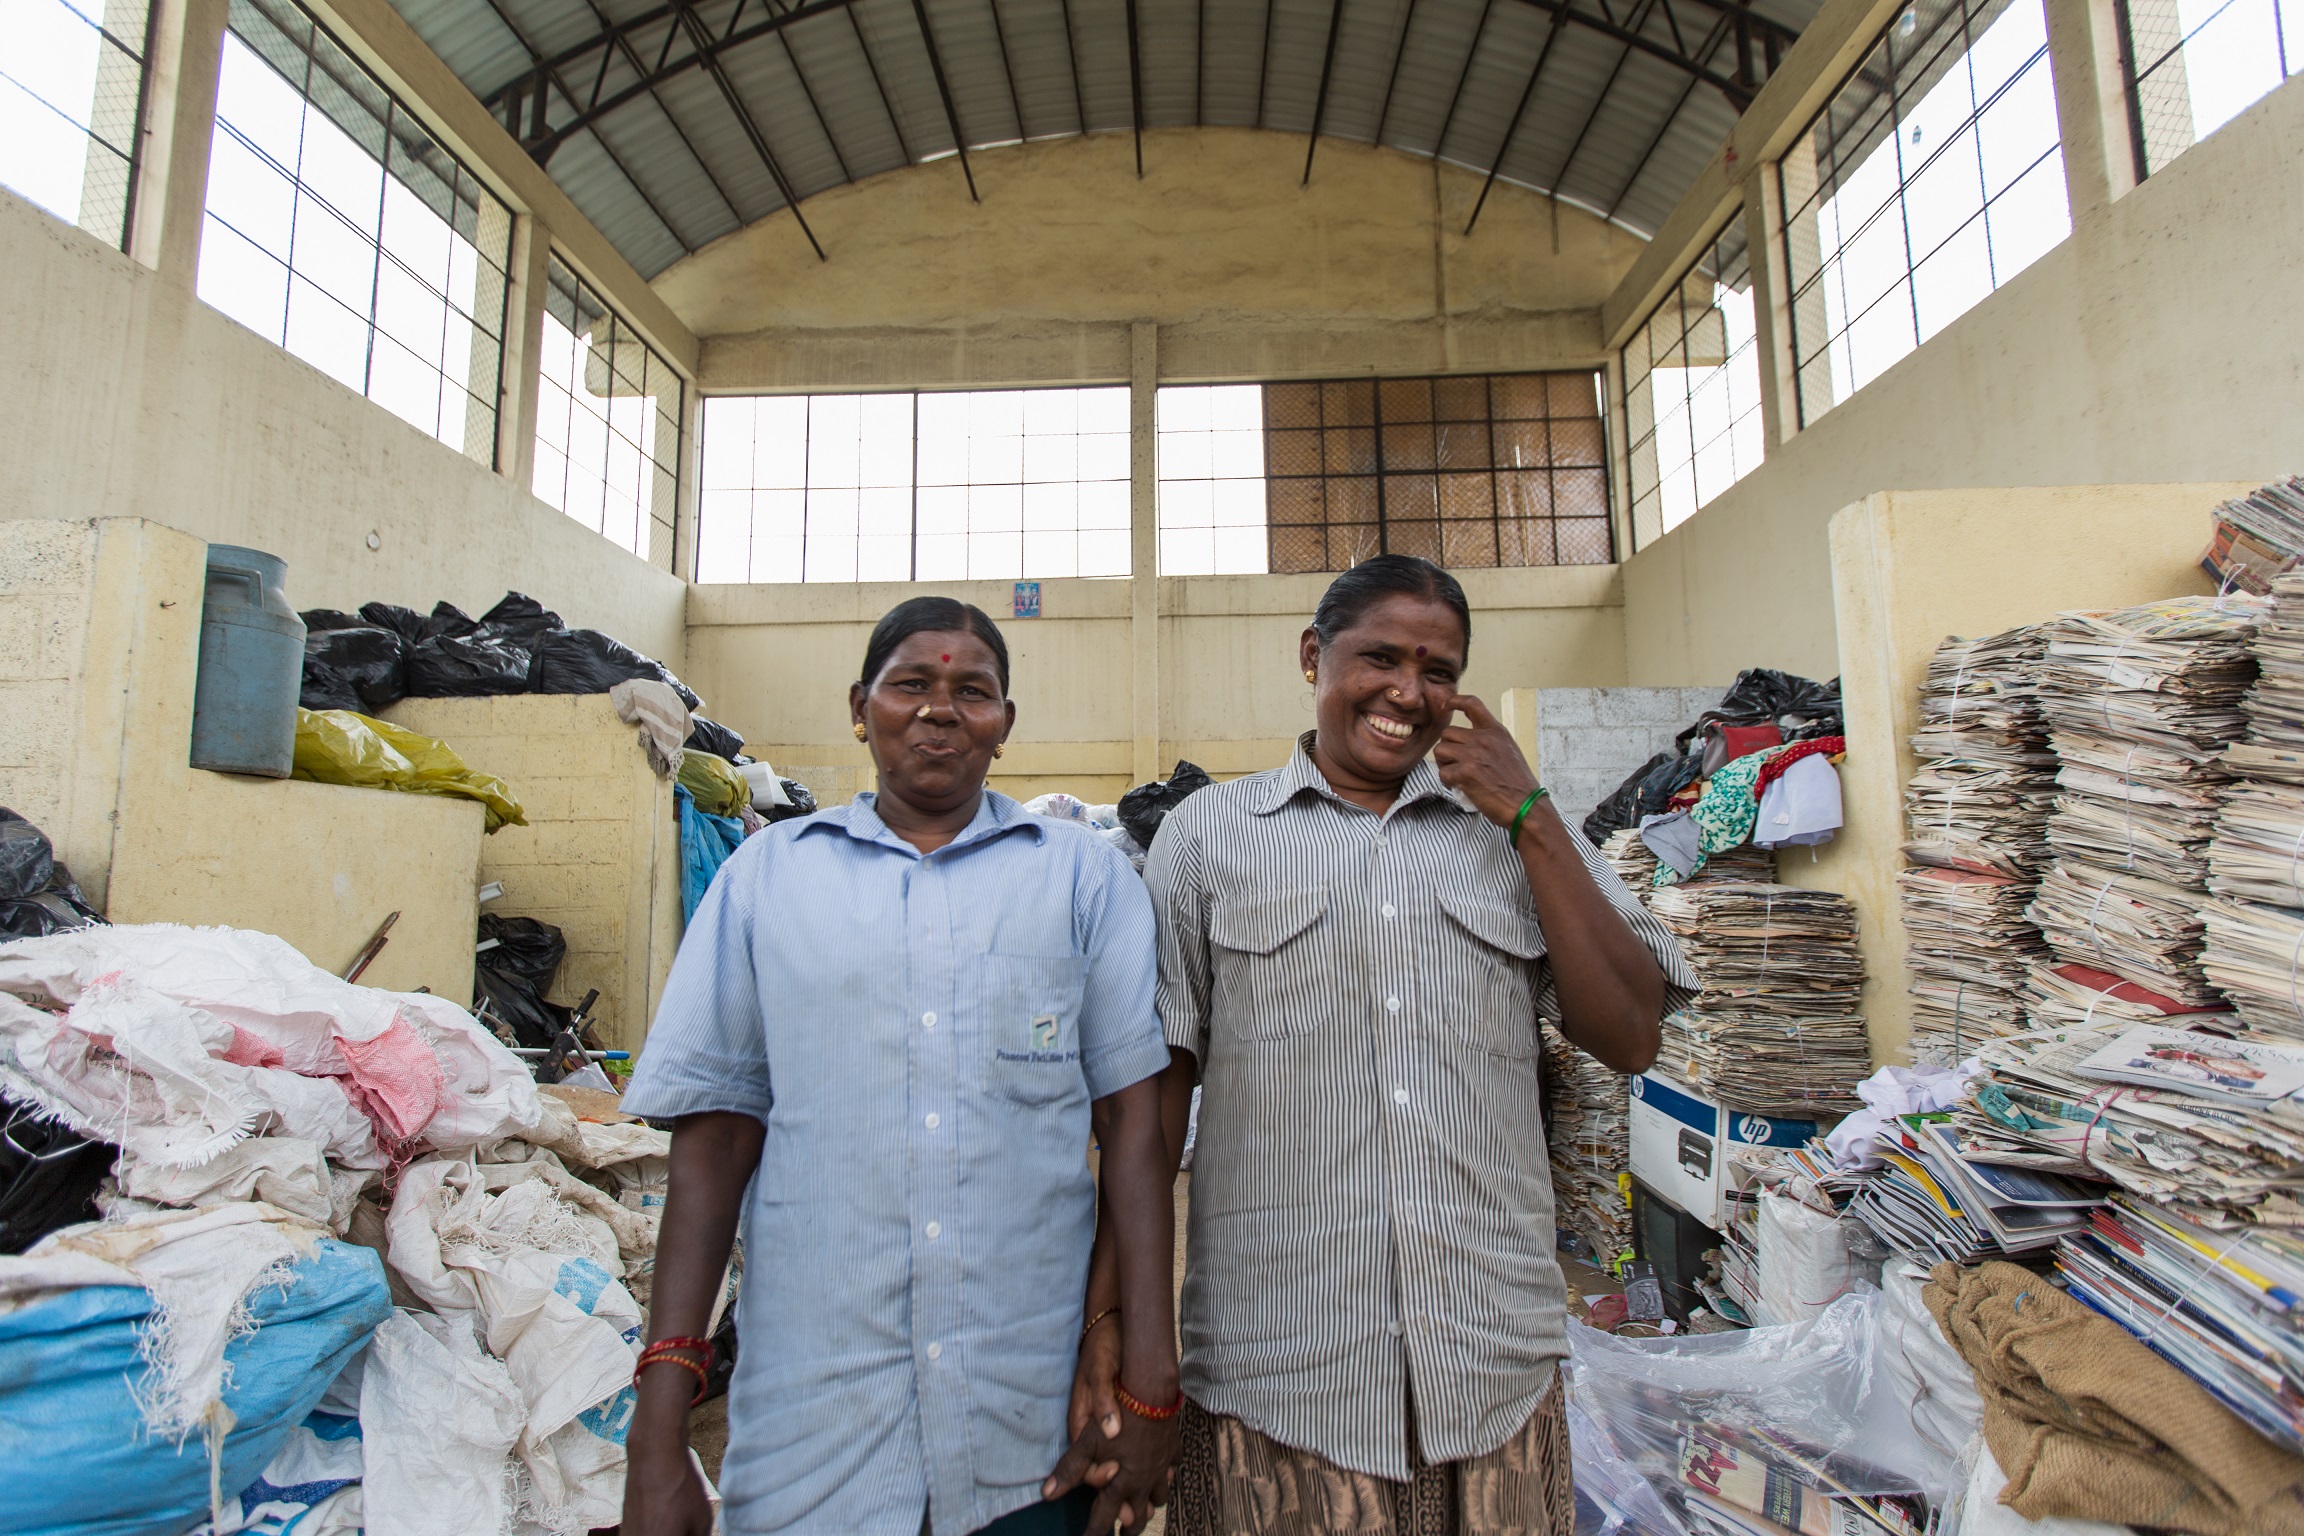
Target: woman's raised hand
x: 1484, y: 764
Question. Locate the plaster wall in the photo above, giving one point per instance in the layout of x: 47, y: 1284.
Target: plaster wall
x: 99, y: 646
x: 1905, y: 575
x: 1247, y: 272
x: 600, y: 856
x: 777, y: 661
x: 122, y: 395
x: 2156, y: 345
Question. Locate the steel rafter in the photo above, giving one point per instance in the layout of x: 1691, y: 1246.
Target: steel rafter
x: 1327, y: 69
x: 702, y: 41
x: 1719, y: 34
x: 944, y: 89
x: 1464, y: 76
x: 895, y: 124
x: 1392, y: 81
x: 1000, y: 36
x: 1135, y: 91
x: 1512, y: 128
x: 1649, y: 153
x: 1072, y: 62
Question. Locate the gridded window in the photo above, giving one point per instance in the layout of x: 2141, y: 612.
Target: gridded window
x: 1503, y: 469
x: 1212, y: 480
x: 1692, y: 392
x: 2194, y: 65
x: 607, y: 421
x: 1934, y: 176
x: 340, y: 229
x: 950, y: 486
x: 71, y: 90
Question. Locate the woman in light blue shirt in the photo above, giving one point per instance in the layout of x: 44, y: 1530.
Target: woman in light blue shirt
x: 894, y: 1021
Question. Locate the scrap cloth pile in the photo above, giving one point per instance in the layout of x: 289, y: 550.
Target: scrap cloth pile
x: 351, y: 1268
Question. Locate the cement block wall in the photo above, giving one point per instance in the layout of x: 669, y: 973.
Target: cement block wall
x: 600, y: 856
x: 1588, y: 739
x: 99, y: 648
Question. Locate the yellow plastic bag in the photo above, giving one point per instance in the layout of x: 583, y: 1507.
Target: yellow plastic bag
x: 718, y: 789
x: 336, y: 746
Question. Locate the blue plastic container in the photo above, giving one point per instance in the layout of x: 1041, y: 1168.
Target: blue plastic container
x: 251, y: 666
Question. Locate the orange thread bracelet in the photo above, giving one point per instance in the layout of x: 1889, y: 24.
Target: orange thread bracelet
x: 661, y: 1353
x: 1143, y: 1409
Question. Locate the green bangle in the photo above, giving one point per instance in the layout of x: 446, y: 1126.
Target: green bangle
x: 1526, y: 806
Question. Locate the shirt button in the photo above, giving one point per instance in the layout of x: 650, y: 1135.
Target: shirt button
x: 935, y: 1351
x: 935, y: 1230
x: 927, y: 1021
x: 1387, y: 911
x: 1400, y: 1096
x: 934, y: 1120
x: 1391, y: 1005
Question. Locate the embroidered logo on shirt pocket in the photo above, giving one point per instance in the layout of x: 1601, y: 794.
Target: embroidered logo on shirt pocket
x: 1031, y: 1010
x: 1478, y: 972
x: 1268, y: 981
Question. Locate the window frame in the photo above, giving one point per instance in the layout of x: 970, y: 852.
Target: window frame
x: 1677, y: 295
x: 2132, y: 79
x: 133, y: 156
x: 582, y: 289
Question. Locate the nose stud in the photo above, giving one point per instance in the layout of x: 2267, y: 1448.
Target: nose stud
x: 923, y: 712
x: 1393, y: 694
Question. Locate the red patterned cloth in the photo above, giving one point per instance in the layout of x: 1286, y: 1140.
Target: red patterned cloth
x: 1785, y: 757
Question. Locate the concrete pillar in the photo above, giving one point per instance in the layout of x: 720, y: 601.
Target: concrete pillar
x: 2085, y: 57
x: 1144, y: 544
x: 185, y: 49
x: 1797, y: 253
x: 516, y: 391
x: 1771, y: 320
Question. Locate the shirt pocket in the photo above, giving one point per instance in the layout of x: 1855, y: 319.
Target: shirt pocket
x: 1265, y: 952
x: 1031, y: 1013
x: 1481, y: 962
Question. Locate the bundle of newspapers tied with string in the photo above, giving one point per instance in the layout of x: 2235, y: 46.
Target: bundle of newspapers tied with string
x: 1776, y: 1027
x: 1586, y: 1131
x: 1976, y: 813
x: 1635, y: 863
x: 2142, y: 703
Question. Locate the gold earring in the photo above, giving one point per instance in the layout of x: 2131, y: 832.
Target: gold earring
x: 999, y: 749
x: 1310, y: 676
x: 859, y: 730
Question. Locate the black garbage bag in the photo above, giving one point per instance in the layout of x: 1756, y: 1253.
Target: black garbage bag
x: 1143, y: 808
x: 407, y: 623
x: 525, y: 946
x: 330, y: 618
x: 713, y: 737
x: 473, y: 666
x: 37, y: 894
x: 373, y: 660
x: 587, y: 661
x: 49, y: 1176
x: 326, y: 687
x: 1799, y: 707
x: 1617, y: 812
x: 803, y: 803
x: 448, y: 619
x: 519, y: 617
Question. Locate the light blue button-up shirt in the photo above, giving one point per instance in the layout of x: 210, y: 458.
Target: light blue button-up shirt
x: 921, y: 1037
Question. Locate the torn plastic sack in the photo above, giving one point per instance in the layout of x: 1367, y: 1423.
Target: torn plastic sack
x: 49, y: 1175
x: 587, y: 661
x: 520, y: 618
x: 439, y: 1417
x: 471, y: 666
x: 1803, y: 1260
x: 706, y: 841
x: 1143, y: 808
x: 711, y: 736
x: 1771, y: 1423
x: 718, y: 789
x: 37, y: 895
x: 206, y: 1332
x: 372, y: 662
x: 338, y: 746
x: 1611, y: 1495
x: 311, y: 1486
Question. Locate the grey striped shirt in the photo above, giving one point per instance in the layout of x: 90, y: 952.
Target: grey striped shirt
x: 1371, y: 1205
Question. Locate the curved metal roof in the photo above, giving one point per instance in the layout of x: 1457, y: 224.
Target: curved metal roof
x: 673, y: 122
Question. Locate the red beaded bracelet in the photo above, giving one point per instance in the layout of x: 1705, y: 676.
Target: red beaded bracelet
x: 1143, y: 1409
x: 662, y: 1353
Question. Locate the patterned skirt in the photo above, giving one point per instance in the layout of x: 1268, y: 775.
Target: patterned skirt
x: 1235, y: 1481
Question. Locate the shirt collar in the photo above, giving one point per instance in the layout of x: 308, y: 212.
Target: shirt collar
x: 996, y: 816
x: 1300, y: 773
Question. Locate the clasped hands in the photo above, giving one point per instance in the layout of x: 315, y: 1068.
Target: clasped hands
x: 1128, y: 1459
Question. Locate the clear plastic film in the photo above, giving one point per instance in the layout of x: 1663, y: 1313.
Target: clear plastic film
x: 1798, y: 1427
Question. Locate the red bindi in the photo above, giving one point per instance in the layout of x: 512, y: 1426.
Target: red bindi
x: 1419, y: 651
x: 947, y: 658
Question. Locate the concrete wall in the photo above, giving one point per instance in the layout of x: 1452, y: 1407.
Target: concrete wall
x: 600, y: 856
x: 1905, y: 576
x: 2157, y: 344
x: 1247, y: 272
x: 1588, y: 739
x: 777, y: 660
x: 99, y: 646
x: 122, y: 395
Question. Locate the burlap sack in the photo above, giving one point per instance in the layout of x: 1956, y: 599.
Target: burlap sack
x: 2091, y: 1425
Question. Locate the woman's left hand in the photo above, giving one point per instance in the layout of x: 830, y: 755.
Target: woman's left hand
x: 1484, y: 764
x: 1130, y: 1460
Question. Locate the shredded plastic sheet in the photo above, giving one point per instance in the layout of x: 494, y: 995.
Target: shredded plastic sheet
x: 337, y: 746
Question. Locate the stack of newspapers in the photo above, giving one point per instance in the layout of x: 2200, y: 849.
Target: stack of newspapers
x: 1976, y: 818
x: 1586, y: 1133
x: 2142, y: 703
x: 1635, y: 864
x: 2255, y: 923
x: 1775, y: 1028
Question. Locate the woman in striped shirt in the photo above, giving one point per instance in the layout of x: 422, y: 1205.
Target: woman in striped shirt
x: 1355, y: 951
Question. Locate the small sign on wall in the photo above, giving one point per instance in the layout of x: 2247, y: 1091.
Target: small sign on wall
x: 1027, y: 600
